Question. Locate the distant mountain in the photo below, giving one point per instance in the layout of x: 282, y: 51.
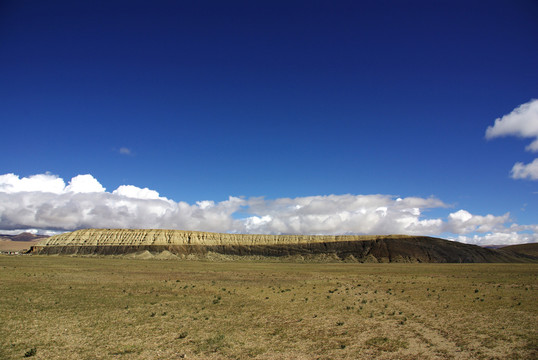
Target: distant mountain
x: 19, y: 242
x: 375, y: 248
x: 25, y: 236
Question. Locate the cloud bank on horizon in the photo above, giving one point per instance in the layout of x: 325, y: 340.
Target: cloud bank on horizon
x: 44, y: 203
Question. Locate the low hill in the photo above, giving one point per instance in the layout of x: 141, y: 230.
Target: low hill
x: 522, y: 250
x: 379, y: 248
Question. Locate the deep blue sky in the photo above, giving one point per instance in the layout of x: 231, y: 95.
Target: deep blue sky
x: 272, y: 98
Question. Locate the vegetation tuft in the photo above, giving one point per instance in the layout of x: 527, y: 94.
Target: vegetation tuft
x: 30, y: 352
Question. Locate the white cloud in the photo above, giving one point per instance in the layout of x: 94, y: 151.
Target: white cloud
x: 44, y: 203
x: 11, y: 183
x: 340, y: 214
x: 463, y: 222
x: 525, y: 171
x: 134, y: 192
x: 84, y: 184
x: 125, y: 151
x: 521, y: 122
x: 499, y: 238
x: 460, y: 216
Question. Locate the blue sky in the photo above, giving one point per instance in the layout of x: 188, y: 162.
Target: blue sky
x: 279, y: 104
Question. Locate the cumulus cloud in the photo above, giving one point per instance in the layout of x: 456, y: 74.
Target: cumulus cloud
x: 521, y: 122
x: 134, y: 192
x: 340, y: 214
x: 45, y: 204
x: 11, y: 183
x: 463, y: 222
x: 84, y: 184
x: 525, y: 171
x: 500, y: 238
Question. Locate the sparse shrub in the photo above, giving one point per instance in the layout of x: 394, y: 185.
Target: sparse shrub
x: 30, y: 352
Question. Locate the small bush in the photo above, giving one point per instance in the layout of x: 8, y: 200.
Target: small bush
x: 30, y: 352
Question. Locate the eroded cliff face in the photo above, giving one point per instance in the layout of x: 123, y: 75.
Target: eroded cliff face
x: 381, y: 248
x: 136, y: 237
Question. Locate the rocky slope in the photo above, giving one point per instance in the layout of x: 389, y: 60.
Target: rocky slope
x: 388, y: 248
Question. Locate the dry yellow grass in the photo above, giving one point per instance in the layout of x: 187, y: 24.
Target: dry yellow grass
x: 102, y: 308
x: 9, y: 245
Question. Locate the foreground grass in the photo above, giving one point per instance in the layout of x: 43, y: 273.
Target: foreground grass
x: 102, y: 308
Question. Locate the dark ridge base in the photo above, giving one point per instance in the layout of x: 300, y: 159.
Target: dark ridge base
x: 419, y: 249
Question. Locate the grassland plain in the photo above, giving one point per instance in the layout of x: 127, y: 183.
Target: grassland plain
x: 55, y: 307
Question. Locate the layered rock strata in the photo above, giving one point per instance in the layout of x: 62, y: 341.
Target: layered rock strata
x: 381, y: 248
